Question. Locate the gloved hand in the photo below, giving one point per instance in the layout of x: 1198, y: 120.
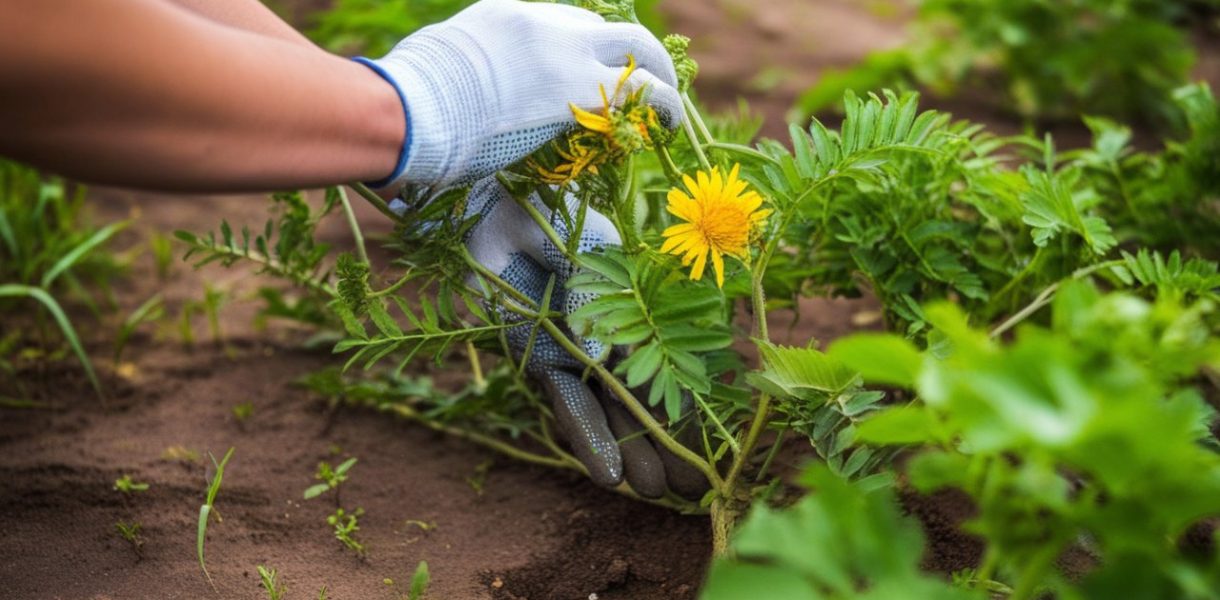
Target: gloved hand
x: 492, y: 84
x: 510, y: 244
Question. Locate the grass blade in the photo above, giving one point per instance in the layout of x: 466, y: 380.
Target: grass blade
x: 205, y: 511
x: 63, y: 264
x: 65, y: 326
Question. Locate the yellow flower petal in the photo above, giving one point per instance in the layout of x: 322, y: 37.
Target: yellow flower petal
x: 696, y: 272
x: 718, y: 265
x: 590, y: 121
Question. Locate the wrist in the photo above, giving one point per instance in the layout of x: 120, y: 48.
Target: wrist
x: 390, y: 121
x: 437, y: 85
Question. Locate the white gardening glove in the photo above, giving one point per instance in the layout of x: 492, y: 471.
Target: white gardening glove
x: 492, y: 84
x: 601, y: 432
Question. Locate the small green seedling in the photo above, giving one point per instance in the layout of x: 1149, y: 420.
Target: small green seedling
x: 419, y: 581
x: 213, y: 299
x: 322, y: 593
x: 162, y: 247
x: 206, y: 510
x: 131, y: 533
x: 151, y: 311
x: 275, y: 589
x: 242, y: 412
x: 331, y: 478
x: 346, y: 525
x: 127, y: 485
x: 478, y: 479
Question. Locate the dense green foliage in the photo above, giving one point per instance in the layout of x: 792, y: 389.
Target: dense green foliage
x: 955, y: 213
x: 1120, y: 58
x: 49, y: 252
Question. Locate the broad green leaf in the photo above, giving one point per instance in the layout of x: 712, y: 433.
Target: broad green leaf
x: 740, y: 581
x: 803, y: 372
x: 899, y: 425
x: 879, y: 358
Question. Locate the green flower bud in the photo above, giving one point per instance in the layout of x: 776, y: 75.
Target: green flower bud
x: 687, y: 68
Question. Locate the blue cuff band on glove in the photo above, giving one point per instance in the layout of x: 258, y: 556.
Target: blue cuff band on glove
x: 406, y: 140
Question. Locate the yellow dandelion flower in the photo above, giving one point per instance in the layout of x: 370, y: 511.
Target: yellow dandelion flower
x: 721, y: 217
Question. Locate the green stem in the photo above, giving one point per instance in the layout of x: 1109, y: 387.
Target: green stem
x: 483, y: 272
x: 1047, y: 296
x: 766, y: 466
x: 393, y: 288
x: 693, y: 113
x: 761, y: 413
x: 272, y: 266
x: 689, y: 130
x: 476, y: 368
x: 707, y: 410
x: 409, y: 413
x: 741, y: 149
x: 355, y: 227
x: 546, y: 228
x: 667, y: 164
x: 372, y: 198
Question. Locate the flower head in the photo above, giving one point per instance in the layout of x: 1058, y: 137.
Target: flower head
x: 721, y: 218
x: 624, y: 124
x: 626, y: 128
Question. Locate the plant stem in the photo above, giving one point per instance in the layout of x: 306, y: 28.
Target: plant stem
x: 694, y: 144
x: 756, y: 427
x: 547, y: 229
x: 393, y: 288
x: 355, y: 227
x: 707, y: 410
x: 667, y: 164
x: 723, y: 514
x: 740, y: 149
x: 375, y: 200
x: 272, y: 266
x: 1047, y: 296
x: 723, y: 520
x: 475, y: 367
x: 495, y: 279
x: 775, y: 447
x: 693, y: 113
x: 410, y: 413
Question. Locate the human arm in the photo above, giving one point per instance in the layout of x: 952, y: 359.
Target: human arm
x: 153, y: 95
x: 248, y: 15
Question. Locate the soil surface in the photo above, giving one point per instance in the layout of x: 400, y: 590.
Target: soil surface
x: 530, y: 533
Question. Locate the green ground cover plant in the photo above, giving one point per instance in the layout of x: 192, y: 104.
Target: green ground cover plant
x: 1051, y: 316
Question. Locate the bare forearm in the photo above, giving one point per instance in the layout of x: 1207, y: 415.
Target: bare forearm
x: 153, y: 95
x: 248, y: 15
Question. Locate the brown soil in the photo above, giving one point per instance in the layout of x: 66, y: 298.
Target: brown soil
x: 531, y: 534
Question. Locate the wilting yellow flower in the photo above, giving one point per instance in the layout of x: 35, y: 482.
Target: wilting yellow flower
x: 721, y: 216
x: 623, y: 125
x: 576, y: 154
